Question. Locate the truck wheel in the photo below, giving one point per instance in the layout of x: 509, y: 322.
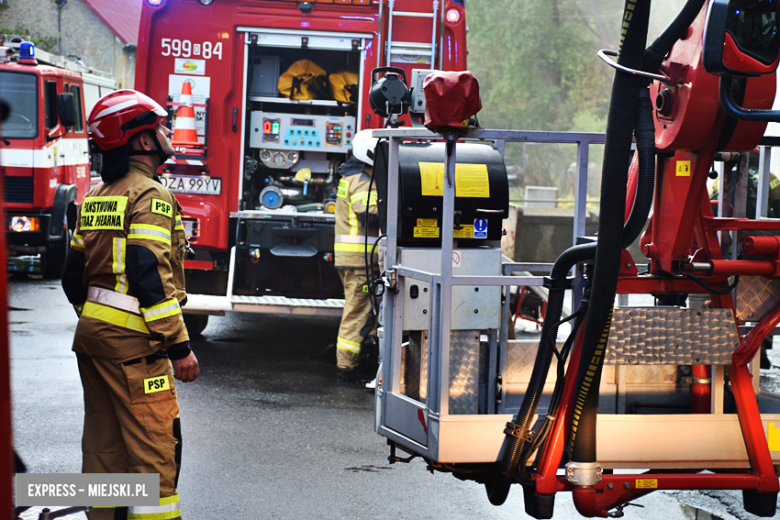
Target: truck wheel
x: 196, y: 323
x: 54, y: 257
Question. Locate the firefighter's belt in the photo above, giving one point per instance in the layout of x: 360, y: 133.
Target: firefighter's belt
x: 113, y: 299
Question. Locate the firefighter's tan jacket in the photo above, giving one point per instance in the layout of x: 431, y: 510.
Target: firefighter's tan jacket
x: 352, y: 202
x: 132, y: 239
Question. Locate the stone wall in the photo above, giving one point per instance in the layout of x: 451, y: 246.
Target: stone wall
x: 83, y: 34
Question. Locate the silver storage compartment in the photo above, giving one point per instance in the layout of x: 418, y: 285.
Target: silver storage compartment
x: 473, y: 308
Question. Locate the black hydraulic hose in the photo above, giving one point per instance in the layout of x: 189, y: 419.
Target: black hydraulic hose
x: 645, y: 189
x: 656, y: 53
x: 617, y: 150
x: 636, y: 222
x: 517, y: 431
x: 632, y: 98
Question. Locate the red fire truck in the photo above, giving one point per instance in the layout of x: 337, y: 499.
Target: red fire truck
x: 44, y: 156
x: 258, y: 198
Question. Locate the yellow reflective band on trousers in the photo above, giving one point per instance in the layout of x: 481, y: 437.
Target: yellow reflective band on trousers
x: 353, y: 248
x: 77, y: 242
x: 345, y: 344
x: 118, y: 266
x: 114, y: 316
x: 170, y: 507
x: 149, y: 232
x: 161, y: 310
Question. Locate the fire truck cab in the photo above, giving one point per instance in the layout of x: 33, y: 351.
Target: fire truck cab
x: 258, y: 199
x: 44, y: 156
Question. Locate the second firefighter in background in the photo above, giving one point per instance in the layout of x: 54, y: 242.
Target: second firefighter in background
x: 357, y: 229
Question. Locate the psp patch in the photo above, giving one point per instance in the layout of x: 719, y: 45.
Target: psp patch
x: 162, y: 208
x: 156, y: 384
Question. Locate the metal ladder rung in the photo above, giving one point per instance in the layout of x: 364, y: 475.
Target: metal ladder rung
x: 412, y: 15
x: 410, y: 45
x: 410, y: 52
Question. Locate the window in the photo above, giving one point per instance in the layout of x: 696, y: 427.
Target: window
x: 20, y: 91
x: 76, y: 91
x: 51, y: 104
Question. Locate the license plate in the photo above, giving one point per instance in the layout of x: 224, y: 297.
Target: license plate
x: 192, y: 184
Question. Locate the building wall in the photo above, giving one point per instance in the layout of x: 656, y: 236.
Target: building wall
x: 83, y: 34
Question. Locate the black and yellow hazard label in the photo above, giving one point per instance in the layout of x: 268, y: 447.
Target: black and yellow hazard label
x: 646, y: 483
x: 683, y: 168
x: 162, y: 208
x: 465, y: 231
x: 103, y: 213
x: 427, y: 222
x: 426, y: 232
x: 156, y: 384
x: 343, y: 189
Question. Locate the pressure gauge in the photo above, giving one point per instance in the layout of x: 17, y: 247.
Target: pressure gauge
x: 292, y: 157
x: 279, y: 159
x: 265, y: 155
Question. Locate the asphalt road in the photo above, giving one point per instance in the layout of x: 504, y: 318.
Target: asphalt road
x: 268, y: 433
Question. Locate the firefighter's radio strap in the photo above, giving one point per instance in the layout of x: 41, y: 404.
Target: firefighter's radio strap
x: 304, y: 80
x: 117, y: 300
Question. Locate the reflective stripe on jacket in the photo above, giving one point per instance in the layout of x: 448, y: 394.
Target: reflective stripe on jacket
x: 353, y: 202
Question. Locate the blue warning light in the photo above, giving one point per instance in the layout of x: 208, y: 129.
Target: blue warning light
x: 27, y: 50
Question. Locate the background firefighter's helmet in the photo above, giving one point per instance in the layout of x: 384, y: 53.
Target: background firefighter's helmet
x: 363, y: 146
x: 120, y: 115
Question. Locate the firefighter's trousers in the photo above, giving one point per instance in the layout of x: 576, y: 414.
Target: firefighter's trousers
x: 130, y: 430
x: 357, y: 321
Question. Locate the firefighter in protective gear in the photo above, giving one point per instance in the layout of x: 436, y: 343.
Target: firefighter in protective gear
x: 124, y: 275
x: 356, y: 218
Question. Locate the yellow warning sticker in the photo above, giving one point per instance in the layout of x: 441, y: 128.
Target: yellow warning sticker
x: 427, y: 222
x: 162, y: 208
x: 426, y: 232
x: 103, y: 213
x: 646, y: 483
x: 465, y: 231
x: 773, y: 435
x: 683, y: 168
x: 471, y: 180
x: 432, y: 178
x: 156, y: 384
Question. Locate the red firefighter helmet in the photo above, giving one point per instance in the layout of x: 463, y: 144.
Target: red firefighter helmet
x: 120, y: 115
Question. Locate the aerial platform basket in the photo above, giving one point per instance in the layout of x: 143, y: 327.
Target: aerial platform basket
x: 448, y: 391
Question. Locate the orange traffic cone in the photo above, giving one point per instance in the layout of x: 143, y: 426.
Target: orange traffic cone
x: 184, y: 133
